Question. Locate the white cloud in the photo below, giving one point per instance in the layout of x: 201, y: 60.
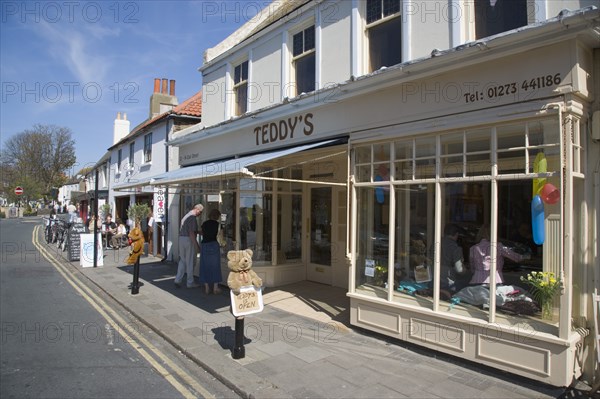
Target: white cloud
x: 76, y: 48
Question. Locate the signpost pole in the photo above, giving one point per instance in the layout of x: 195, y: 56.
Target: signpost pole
x: 135, y: 285
x: 96, y: 219
x: 239, y: 352
x: 19, y: 192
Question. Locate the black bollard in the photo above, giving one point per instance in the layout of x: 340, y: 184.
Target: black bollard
x: 239, y: 352
x: 135, y: 285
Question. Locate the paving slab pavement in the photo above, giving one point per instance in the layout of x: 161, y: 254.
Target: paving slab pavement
x: 300, y: 346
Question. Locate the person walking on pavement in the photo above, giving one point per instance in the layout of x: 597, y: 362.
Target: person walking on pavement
x: 210, y: 262
x: 188, y: 247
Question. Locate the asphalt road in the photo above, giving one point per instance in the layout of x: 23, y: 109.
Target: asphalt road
x: 61, y: 338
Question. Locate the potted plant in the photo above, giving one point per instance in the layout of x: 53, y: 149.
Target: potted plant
x: 104, y: 210
x: 137, y: 212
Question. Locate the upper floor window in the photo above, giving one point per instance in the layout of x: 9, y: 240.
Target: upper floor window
x: 119, y: 159
x: 497, y: 16
x: 131, y: 152
x: 240, y: 88
x: 384, y: 31
x: 303, y: 61
x: 148, y: 148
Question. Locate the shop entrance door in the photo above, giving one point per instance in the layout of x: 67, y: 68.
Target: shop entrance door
x: 319, y: 259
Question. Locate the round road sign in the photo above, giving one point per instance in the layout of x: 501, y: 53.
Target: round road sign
x: 18, y: 190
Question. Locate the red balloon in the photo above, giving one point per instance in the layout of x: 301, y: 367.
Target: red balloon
x: 550, y: 194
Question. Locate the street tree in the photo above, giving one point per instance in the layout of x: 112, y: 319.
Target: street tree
x: 37, y: 159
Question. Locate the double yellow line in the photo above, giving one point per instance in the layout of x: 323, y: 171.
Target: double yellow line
x: 125, y: 329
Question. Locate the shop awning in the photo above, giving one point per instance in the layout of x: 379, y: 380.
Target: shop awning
x: 227, y: 168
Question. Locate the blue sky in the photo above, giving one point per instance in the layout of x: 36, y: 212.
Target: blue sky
x: 77, y: 64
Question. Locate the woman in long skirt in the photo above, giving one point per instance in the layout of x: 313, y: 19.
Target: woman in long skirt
x: 210, y: 255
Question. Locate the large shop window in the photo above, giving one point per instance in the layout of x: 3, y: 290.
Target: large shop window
x: 477, y: 186
x: 384, y: 31
x: 256, y: 210
x: 289, y: 215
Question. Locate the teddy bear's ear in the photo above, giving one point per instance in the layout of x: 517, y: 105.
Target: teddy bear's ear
x: 232, y: 255
x: 249, y: 252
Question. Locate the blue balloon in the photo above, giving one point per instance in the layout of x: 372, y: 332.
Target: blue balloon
x: 379, y: 194
x: 537, y: 220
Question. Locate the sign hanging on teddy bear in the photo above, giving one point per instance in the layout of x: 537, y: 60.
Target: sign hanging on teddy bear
x: 248, y: 301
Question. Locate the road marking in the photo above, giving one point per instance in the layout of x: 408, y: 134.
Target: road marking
x: 119, y: 324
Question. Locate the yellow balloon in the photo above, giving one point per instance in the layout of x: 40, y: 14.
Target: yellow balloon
x: 540, y: 165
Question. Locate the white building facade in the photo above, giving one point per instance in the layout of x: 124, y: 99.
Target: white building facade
x: 340, y: 138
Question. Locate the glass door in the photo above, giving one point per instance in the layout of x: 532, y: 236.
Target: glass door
x: 319, y: 264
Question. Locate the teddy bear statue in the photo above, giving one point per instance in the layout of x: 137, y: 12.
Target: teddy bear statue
x: 136, y: 238
x: 241, y: 273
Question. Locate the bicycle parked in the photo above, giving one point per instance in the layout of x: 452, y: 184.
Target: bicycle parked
x: 62, y: 231
x: 50, y: 227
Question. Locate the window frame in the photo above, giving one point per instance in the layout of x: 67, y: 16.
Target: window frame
x: 131, y: 154
x: 470, y: 11
x: 378, y: 23
x: 240, y: 85
x: 148, y: 148
x: 302, y: 56
x: 119, y: 160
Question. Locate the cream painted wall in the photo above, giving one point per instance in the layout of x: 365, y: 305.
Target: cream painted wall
x: 213, y: 96
x: 265, y: 88
x: 336, y: 42
x: 429, y: 27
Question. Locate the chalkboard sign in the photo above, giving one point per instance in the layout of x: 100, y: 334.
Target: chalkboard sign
x: 74, y: 241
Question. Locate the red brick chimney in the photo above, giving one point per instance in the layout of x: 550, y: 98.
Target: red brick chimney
x: 163, y: 98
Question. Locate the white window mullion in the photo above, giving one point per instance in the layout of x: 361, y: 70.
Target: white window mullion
x: 437, y: 227
x: 391, y: 224
x: 355, y: 40
x: 318, y: 49
x: 406, y: 26
x: 228, y: 92
x: 285, y: 64
x: 250, y: 85
x: 493, y: 227
x: 458, y: 36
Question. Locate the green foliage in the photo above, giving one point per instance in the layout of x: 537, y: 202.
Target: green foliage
x: 105, y: 210
x: 543, y: 285
x: 2, y: 215
x: 37, y: 159
x: 137, y: 212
